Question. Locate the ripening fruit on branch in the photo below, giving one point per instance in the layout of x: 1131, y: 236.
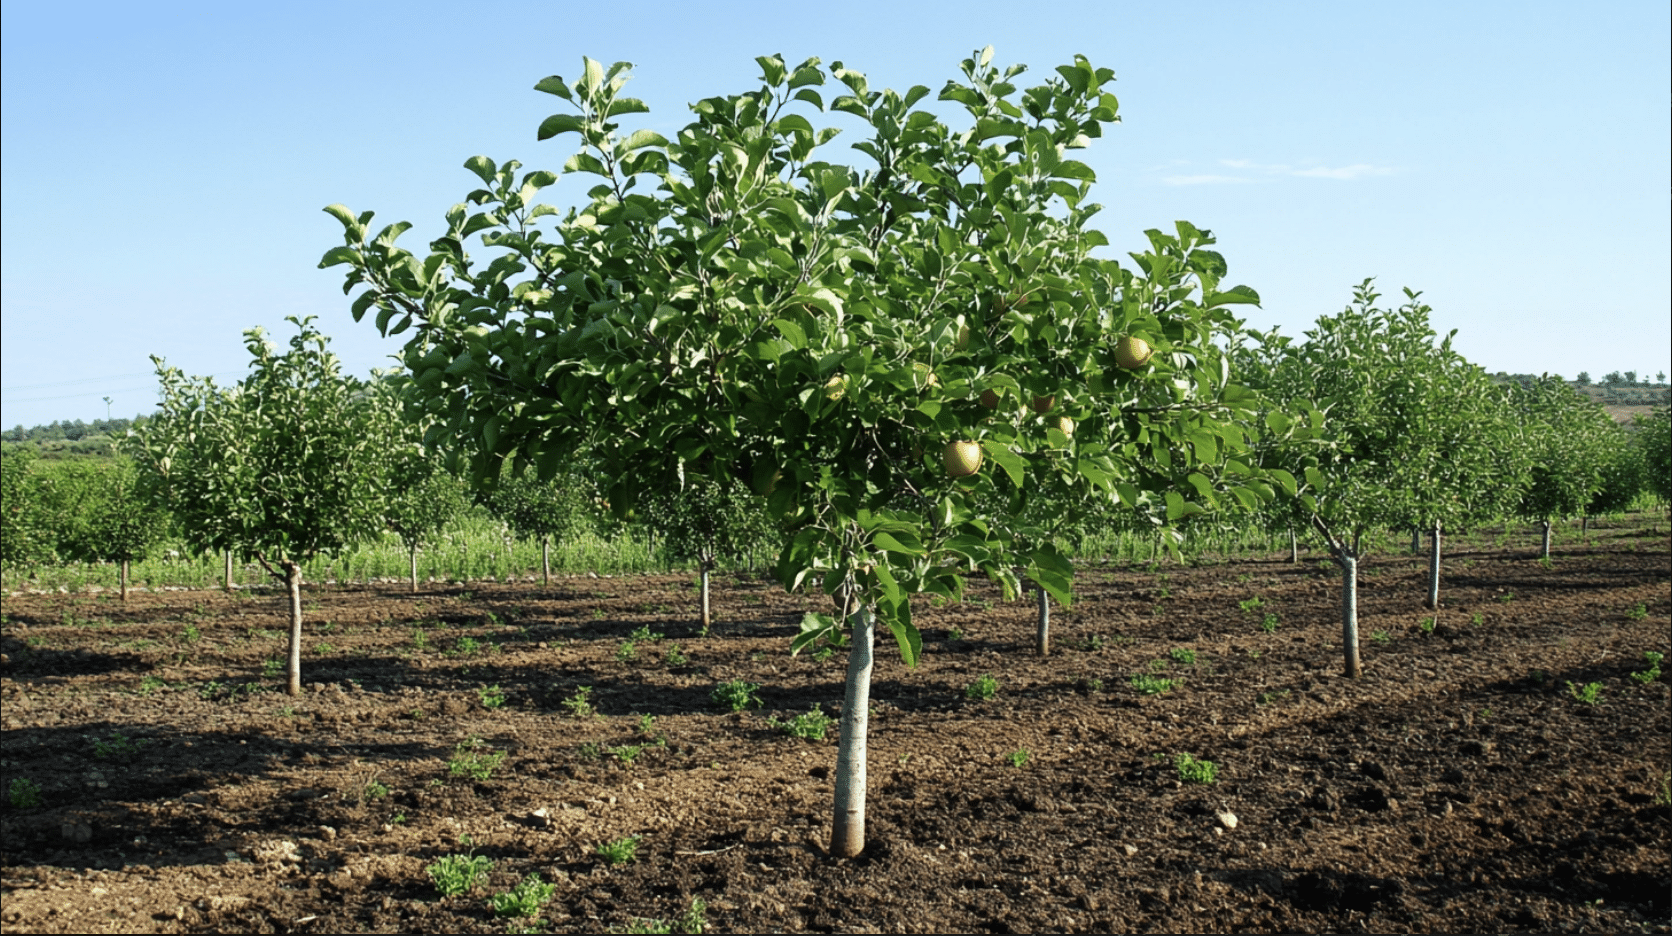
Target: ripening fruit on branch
x: 836, y: 387
x: 924, y: 376
x: 989, y: 399
x: 1132, y: 353
x: 1064, y: 425
x: 1043, y: 404
x: 962, y: 459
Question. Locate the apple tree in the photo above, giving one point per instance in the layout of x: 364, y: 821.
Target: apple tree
x: 1569, y: 441
x: 704, y: 521
x: 728, y: 305
x: 118, y: 520
x: 421, y: 497
x: 28, y: 521
x: 1654, y: 440
x: 287, y: 464
x: 544, y: 509
x: 1385, y: 427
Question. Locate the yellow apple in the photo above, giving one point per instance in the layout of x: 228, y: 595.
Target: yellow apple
x: 925, y: 377
x: 1132, y: 353
x: 962, y: 459
x: 836, y: 387
x: 1065, y: 426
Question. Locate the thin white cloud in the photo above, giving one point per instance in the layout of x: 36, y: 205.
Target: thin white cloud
x: 1357, y: 170
x: 1201, y: 179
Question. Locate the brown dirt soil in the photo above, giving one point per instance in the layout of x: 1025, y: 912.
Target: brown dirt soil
x: 1456, y: 787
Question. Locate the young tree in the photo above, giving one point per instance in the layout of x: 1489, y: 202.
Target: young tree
x: 554, y: 508
x: 28, y: 531
x: 1404, y: 433
x: 705, y: 521
x: 119, y: 521
x: 1654, y: 440
x: 421, y: 498
x: 1569, y: 442
x: 285, y: 465
x: 765, y: 315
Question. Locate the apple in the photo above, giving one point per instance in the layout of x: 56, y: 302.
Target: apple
x: 925, y: 377
x: 989, y: 399
x: 1065, y: 426
x: 836, y: 387
x: 1132, y: 353
x: 962, y: 459
x: 1043, y: 404
x: 963, y: 339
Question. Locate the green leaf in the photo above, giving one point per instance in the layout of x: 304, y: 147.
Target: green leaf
x: 1236, y: 295
x: 483, y: 167
x: 556, y: 124
x: 813, y: 627
x: 555, y: 85
x: 586, y: 162
x: 772, y: 69
x: 904, y: 544
x: 626, y: 105
x: 338, y: 255
x: 1285, y: 479
x: 640, y: 139
x: 1006, y: 459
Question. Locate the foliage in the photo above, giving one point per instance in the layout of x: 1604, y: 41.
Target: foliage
x: 1401, y: 432
x: 982, y: 689
x: 458, y: 874
x: 809, y: 726
x: 524, y: 900
x: 1587, y: 694
x: 1569, y: 440
x: 620, y: 851
x: 557, y: 507
x: 1149, y: 684
x: 1654, y: 438
x: 28, y: 522
x: 764, y: 315
x: 288, y: 462
x: 23, y: 793
x: 1192, y: 770
x: 1653, y: 672
x: 469, y: 760
x: 735, y: 695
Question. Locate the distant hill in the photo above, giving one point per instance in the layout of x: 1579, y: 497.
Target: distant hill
x: 69, y: 439
x: 1622, y: 396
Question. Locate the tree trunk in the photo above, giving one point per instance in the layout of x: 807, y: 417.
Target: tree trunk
x: 124, y: 579
x: 707, y: 616
x: 1433, y: 602
x: 1294, y: 548
x: 412, y: 556
x: 847, y: 832
x: 226, y: 583
x: 1544, y: 549
x: 1042, y: 639
x: 1585, y: 527
x: 1416, y: 539
x: 546, y: 559
x: 293, y: 587
x: 1349, y: 612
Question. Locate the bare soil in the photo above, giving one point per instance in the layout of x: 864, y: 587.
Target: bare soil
x: 1457, y: 787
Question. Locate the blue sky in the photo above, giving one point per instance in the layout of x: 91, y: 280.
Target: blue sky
x: 165, y: 165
